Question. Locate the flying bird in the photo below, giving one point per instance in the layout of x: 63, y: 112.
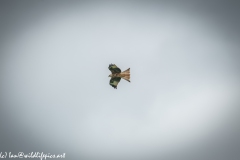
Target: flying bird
x: 117, y: 75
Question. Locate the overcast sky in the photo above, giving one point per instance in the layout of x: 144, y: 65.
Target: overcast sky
x: 183, y: 99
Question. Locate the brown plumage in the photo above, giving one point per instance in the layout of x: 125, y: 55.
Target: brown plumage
x: 125, y: 75
x: 117, y: 75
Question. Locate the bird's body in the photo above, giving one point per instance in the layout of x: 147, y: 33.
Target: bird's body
x: 125, y: 75
x: 117, y: 75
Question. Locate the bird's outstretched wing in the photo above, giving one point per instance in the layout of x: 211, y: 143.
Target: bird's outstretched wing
x: 114, y: 82
x: 114, y: 69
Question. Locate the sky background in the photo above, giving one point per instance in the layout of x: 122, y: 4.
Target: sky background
x: 183, y: 99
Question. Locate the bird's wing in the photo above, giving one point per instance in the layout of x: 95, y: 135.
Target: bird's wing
x: 114, y: 81
x: 114, y: 69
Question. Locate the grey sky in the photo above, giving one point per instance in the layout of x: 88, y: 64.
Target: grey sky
x: 182, y: 102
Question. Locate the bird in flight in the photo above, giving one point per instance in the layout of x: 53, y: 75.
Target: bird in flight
x: 117, y: 75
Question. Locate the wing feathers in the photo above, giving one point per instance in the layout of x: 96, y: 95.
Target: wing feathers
x: 114, y: 82
x: 114, y: 69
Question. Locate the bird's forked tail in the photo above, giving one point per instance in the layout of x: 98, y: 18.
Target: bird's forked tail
x: 126, y: 75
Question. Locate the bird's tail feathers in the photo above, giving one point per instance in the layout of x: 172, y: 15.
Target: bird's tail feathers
x: 126, y: 75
